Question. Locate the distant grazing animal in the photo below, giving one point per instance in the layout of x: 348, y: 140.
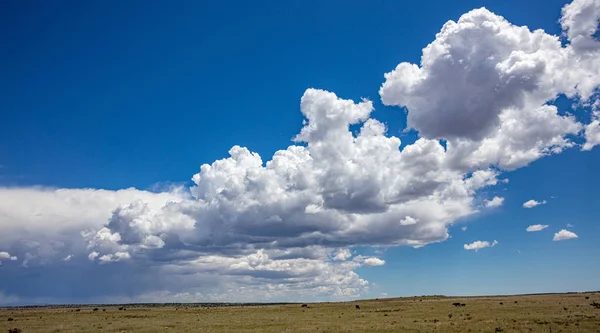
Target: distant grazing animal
x: 456, y: 304
x: 304, y: 306
x: 357, y: 307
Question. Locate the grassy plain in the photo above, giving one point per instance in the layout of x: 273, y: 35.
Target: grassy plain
x: 528, y: 313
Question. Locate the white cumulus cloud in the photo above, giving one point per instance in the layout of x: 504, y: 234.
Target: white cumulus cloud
x: 485, y: 85
x: 564, y: 235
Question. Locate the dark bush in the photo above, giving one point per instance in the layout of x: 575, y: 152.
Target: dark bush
x: 304, y: 306
x: 15, y: 330
x: 95, y: 309
x: 357, y: 307
x: 10, y: 319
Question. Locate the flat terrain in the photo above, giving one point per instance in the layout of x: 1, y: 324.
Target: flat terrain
x: 531, y: 313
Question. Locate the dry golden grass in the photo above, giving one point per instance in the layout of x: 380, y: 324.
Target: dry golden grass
x: 536, y: 313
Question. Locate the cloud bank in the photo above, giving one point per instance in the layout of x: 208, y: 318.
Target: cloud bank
x: 281, y: 229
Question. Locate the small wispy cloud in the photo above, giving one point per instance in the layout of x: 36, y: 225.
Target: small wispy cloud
x: 533, y: 203
x: 6, y: 255
x: 373, y: 261
x: 478, y: 245
x: 564, y: 235
x: 463, y: 228
x: 495, y: 202
x: 569, y: 225
x: 536, y: 227
x: 342, y: 254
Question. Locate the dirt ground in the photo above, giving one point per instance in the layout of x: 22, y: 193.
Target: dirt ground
x: 533, y: 313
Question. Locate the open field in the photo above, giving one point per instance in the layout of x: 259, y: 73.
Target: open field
x: 530, y: 313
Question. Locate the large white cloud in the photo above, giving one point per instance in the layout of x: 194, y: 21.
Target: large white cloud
x: 284, y: 228
x: 339, y: 190
x: 484, y: 85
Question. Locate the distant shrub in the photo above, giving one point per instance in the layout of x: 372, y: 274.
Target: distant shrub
x: 304, y: 305
x: 449, y: 316
x: 15, y: 330
x: 587, y: 297
x: 10, y: 319
x: 95, y: 309
x: 595, y: 304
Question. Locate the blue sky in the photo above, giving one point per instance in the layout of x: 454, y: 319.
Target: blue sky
x: 133, y: 96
